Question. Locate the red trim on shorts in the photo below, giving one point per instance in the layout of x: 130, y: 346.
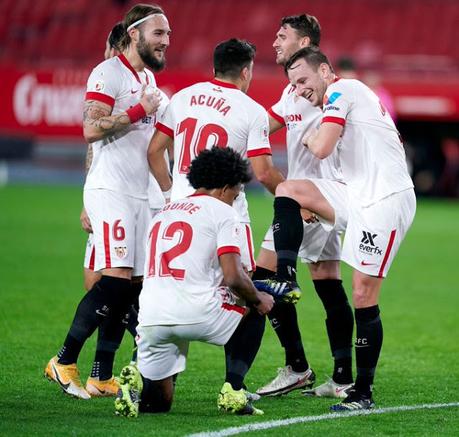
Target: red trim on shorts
x: 108, y: 260
x: 259, y: 152
x: 164, y: 129
x: 228, y: 249
x: 276, y: 116
x: 104, y: 98
x: 237, y: 308
x: 223, y: 84
x: 124, y: 60
x: 92, y: 258
x: 248, y: 234
x: 336, y: 120
x: 386, y: 255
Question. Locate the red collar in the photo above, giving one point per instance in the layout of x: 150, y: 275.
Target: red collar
x: 223, y: 84
x: 124, y: 60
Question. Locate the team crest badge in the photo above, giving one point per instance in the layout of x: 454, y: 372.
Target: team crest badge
x: 100, y: 85
x: 121, y: 252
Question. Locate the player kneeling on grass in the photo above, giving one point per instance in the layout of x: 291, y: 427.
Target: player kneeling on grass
x: 193, y: 248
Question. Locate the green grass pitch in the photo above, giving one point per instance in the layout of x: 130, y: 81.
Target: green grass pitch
x: 41, y: 283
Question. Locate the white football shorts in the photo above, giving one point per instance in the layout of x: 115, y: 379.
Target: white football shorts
x: 373, y: 233
x: 318, y: 244
x: 120, y: 226
x: 162, y: 349
x: 89, y: 253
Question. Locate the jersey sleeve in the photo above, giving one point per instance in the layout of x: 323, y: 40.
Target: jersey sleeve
x: 337, y: 104
x: 258, y: 138
x: 166, y: 121
x: 162, y: 107
x: 103, y: 85
x: 229, y: 233
x: 277, y: 111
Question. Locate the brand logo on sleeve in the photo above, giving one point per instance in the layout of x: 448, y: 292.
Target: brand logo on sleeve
x: 333, y: 97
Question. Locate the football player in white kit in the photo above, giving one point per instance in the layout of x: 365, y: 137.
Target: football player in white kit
x: 321, y: 249
x: 193, y: 267
x: 118, y: 120
x: 217, y: 113
x: 375, y: 205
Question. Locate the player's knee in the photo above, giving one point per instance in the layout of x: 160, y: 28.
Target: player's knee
x: 285, y: 189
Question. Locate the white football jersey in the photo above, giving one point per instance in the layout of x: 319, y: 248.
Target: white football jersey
x: 120, y: 161
x: 370, y: 152
x: 155, y: 195
x: 210, y: 114
x: 182, y: 270
x: 298, y: 115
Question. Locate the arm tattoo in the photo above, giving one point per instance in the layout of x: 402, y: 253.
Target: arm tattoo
x: 89, y: 154
x: 98, y: 115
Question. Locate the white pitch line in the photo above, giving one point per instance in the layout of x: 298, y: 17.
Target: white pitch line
x: 303, y: 419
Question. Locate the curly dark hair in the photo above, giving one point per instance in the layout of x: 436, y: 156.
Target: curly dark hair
x: 305, y: 25
x: 217, y: 167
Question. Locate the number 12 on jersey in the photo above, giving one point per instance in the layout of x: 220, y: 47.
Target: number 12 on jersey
x: 193, y: 144
x: 159, y: 263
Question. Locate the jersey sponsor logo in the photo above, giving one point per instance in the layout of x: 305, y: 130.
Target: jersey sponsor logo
x: 367, y: 244
x: 219, y: 104
x: 293, y: 117
x: 121, y: 252
x: 133, y: 91
x: 331, y: 108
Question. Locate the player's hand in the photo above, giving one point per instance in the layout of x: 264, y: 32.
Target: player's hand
x: 308, y: 216
x: 309, y: 135
x: 85, y: 222
x: 151, y: 99
x: 266, y: 303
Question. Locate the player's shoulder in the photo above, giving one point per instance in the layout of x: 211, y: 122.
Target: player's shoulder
x: 109, y: 65
x: 251, y: 106
x: 185, y: 93
x: 219, y: 209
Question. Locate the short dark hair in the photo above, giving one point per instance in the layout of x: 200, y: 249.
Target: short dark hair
x: 313, y: 57
x: 116, y: 36
x: 305, y: 25
x: 231, y: 56
x: 217, y: 167
x: 137, y: 12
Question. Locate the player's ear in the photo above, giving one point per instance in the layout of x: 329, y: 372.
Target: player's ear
x: 305, y: 42
x: 134, y: 33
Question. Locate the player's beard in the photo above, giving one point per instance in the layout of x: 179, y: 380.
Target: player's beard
x: 147, y: 56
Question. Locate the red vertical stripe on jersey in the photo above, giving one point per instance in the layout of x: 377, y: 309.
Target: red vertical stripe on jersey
x: 237, y: 308
x: 386, y: 255
x: 124, y: 60
x: 249, y: 243
x: 108, y: 260
x: 92, y: 258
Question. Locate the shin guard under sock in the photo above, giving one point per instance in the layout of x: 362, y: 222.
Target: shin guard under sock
x: 340, y: 325
x: 288, y: 235
x: 368, y: 344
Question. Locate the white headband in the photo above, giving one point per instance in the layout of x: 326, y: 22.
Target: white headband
x: 136, y: 23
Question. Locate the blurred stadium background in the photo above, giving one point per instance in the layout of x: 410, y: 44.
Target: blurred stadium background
x: 407, y: 50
